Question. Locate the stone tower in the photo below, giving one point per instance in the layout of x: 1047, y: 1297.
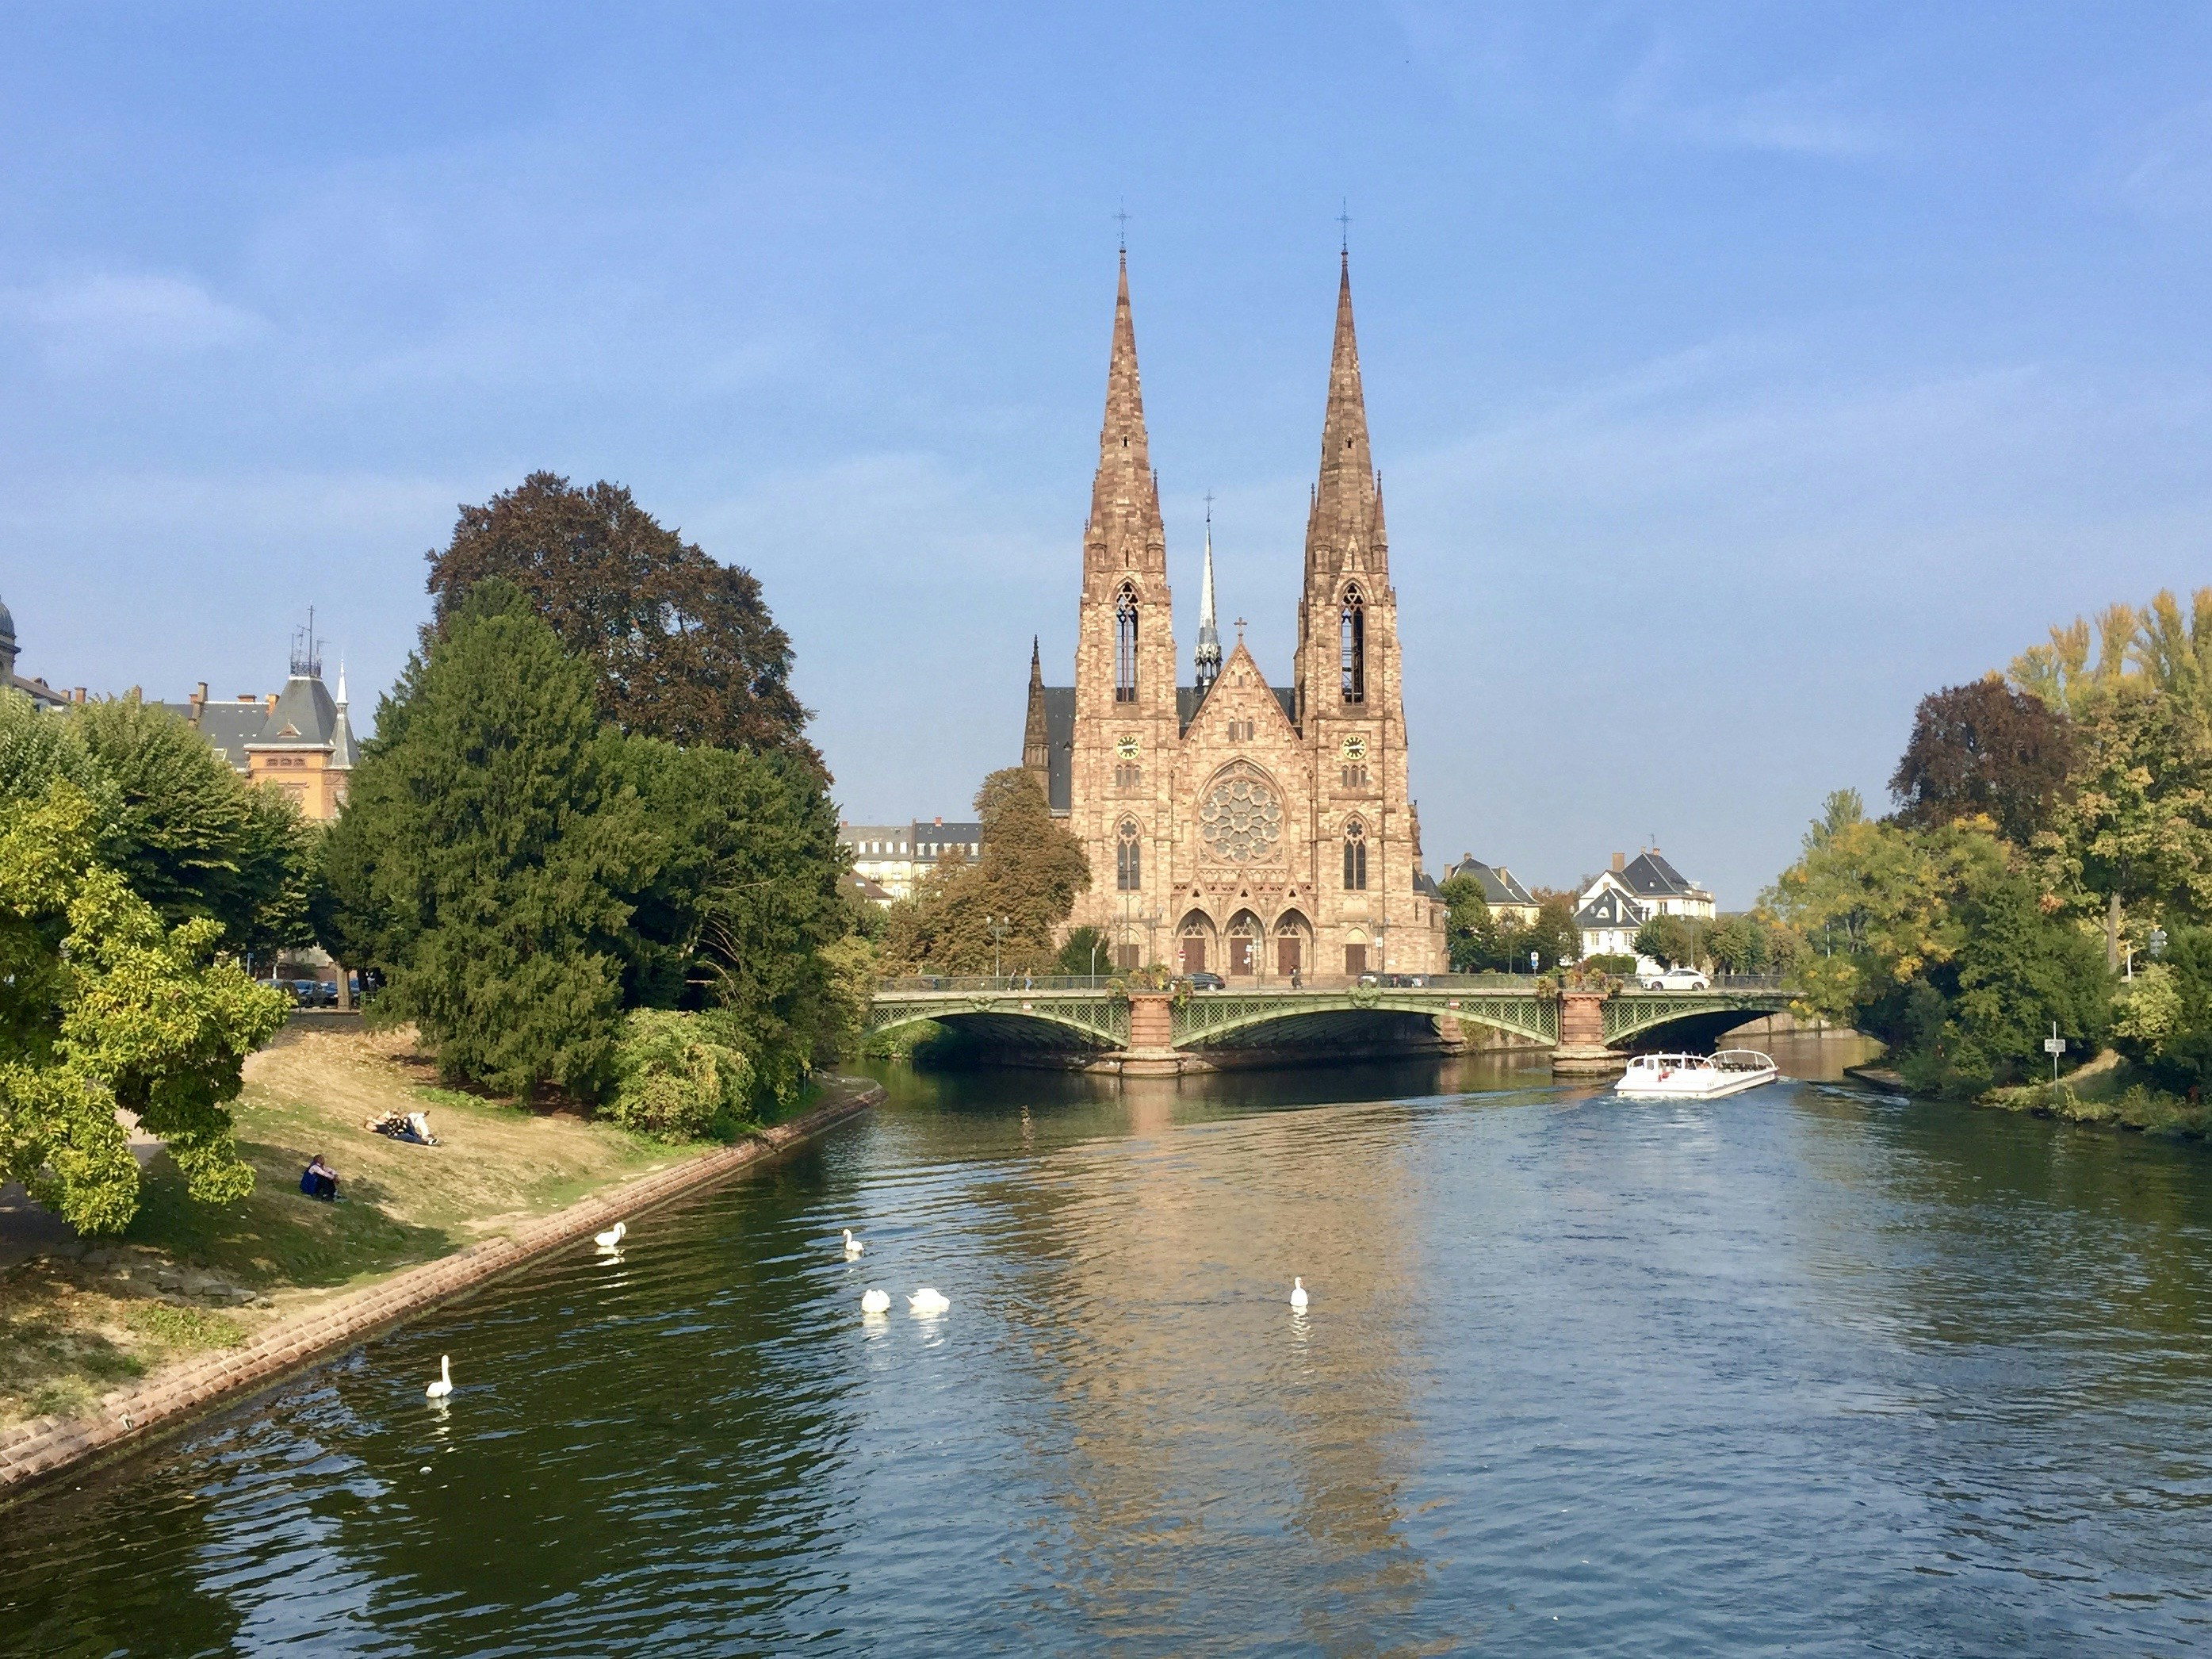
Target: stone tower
x: 1349, y: 702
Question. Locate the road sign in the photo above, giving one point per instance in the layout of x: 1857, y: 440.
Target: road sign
x: 2054, y: 1045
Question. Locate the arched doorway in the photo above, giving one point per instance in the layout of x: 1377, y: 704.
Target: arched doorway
x: 1293, y: 942
x: 1243, y: 939
x: 1355, y: 953
x: 1193, y: 937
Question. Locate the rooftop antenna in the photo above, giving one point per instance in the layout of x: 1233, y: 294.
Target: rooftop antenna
x: 306, y: 658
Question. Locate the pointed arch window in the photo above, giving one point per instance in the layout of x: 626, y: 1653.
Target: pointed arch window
x: 1128, y: 858
x: 1355, y: 856
x: 1125, y: 645
x: 1353, y: 639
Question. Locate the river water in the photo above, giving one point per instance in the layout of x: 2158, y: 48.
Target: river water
x: 1812, y: 1369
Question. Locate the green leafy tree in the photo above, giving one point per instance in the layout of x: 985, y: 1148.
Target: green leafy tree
x: 1739, y: 945
x: 2017, y: 973
x: 1030, y: 872
x: 1875, y: 905
x: 2135, y: 829
x: 490, y: 849
x: 1470, y: 930
x: 1676, y: 941
x: 1552, y: 936
x: 682, y: 646
x: 102, y: 1005
x: 1983, y: 749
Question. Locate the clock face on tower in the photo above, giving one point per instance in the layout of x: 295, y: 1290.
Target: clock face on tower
x: 1355, y: 746
x: 1126, y: 748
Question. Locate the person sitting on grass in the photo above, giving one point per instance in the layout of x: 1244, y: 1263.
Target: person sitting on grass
x: 319, y: 1180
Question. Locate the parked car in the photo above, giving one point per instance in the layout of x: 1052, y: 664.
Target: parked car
x: 1676, y: 979
x: 1205, y: 981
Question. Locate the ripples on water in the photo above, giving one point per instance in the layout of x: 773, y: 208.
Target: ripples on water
x: 1804, y: 1369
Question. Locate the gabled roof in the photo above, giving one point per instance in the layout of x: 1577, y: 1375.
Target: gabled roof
x: 1649, y: 876
x: 1498, y: 883
x: 1609, y: 909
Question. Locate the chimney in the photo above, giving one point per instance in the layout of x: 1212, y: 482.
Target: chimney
x: 199, y: 702
x: 79, y: 697
x: 940, y: 823
x: 273, y: 709
x: 1619, y: 862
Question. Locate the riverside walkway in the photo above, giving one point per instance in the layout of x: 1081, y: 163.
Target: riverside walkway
x: 1105, y: 1023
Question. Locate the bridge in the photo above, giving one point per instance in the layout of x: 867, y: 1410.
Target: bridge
x: 1106, y: 1024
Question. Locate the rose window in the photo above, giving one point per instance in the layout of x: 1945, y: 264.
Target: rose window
x: 1240, y: 818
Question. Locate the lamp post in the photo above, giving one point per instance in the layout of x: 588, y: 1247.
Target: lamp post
x: 998, y: 927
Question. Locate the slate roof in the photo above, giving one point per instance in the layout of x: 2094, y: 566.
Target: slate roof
x: 227, y: 726
x: 1649, y: 876
x: 1499, y: 886
x: 305, y: 717
x: 1060, y: 733
x: 925, y: 835
x: 1610, y: 908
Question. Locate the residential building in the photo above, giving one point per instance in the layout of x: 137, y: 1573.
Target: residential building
x: 1231, y: 825
x: 895, y: 857
x: 1620, y: 900
x: 300, y: 740
x: 1508, y: 899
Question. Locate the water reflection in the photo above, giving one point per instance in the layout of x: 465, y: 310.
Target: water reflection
x: 1812, y: 1367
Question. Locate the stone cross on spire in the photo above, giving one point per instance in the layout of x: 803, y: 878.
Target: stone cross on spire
x: 1207, y: 658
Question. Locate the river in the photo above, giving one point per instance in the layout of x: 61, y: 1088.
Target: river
x: 1813, y: 1370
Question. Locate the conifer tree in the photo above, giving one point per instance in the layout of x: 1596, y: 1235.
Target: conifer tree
x: 490, y: 849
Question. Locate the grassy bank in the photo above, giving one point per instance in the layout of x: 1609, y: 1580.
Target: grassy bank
x: 2107, y: 1091
x: 185, y: 1278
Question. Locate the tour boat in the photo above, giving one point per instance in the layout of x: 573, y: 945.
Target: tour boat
x: 1695, y: 1077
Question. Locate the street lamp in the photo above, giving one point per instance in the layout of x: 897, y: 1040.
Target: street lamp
x: 1000, y: 927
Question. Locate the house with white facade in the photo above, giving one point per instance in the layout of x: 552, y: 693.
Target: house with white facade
x: 897, y: 856
x: 1615, y: 905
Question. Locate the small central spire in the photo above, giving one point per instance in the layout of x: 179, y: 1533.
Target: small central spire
x: 1207, y: 657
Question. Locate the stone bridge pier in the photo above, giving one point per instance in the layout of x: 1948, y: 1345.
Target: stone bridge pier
x: 1582, y: 1050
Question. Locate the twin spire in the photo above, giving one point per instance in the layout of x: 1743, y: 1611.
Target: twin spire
x: 1345, y: 523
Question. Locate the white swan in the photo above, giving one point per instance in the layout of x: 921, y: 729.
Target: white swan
x: 927, y: 1301
x: 876, y: 1301
x: 612, y: 1236
x: 444, y: 1385
x: 852, y: 1246
x: 1298, y: 1294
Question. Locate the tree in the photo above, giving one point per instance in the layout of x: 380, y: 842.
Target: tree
x: 2164, y: 1016
x: 743, y: 900
x: 1739, y: 945
x: 682, y: 646
x: 2135, y: 827
x: 1030, y: 872
x: 1470, y: 930
x: 1086, y: 950
x: 489, y: 850
x: 1875, y: 905
x: 1553, y: 936
x: 1983, y: 749
x: 1672, y: 940
x: 2017, y: 973
x: 102, y: 1005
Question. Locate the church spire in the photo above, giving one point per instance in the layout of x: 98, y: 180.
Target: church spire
x: 1036, y: 736
x: 1207, y: 657
x: 1125, y: 502
x: 1346, y: 522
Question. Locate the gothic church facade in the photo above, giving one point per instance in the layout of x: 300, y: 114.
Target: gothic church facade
x: 1233, y: 826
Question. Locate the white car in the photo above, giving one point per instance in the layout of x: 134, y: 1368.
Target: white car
x: 1676, y: 979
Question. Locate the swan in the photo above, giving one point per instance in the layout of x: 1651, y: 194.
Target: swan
x: 852, y: 1246
x: 927, y: 1301
x: 612, y: 1236
x: 1298, y: 1294
x: 444, y: 1385
x: 876, y: 1301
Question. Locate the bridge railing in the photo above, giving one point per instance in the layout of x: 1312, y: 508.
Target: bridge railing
x: 1487, y: 982
x: 1000, y: 982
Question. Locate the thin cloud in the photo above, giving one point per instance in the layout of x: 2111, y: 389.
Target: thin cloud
x: 112, y: 314
x: 1792, y: 118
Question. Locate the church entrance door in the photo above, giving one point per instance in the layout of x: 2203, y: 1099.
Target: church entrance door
x: 1193, y: 956
x: 1286, y: 957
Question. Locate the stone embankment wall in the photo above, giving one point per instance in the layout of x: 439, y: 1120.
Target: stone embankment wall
x: 42, y: 1447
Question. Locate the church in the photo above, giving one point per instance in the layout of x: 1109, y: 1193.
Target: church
x: 1234, y: 827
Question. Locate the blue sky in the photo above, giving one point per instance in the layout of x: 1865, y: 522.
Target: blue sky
x: 1737, y: 372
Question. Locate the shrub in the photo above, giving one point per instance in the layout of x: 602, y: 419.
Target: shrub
x: 1610, y: 962
x: 675, y: 1077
